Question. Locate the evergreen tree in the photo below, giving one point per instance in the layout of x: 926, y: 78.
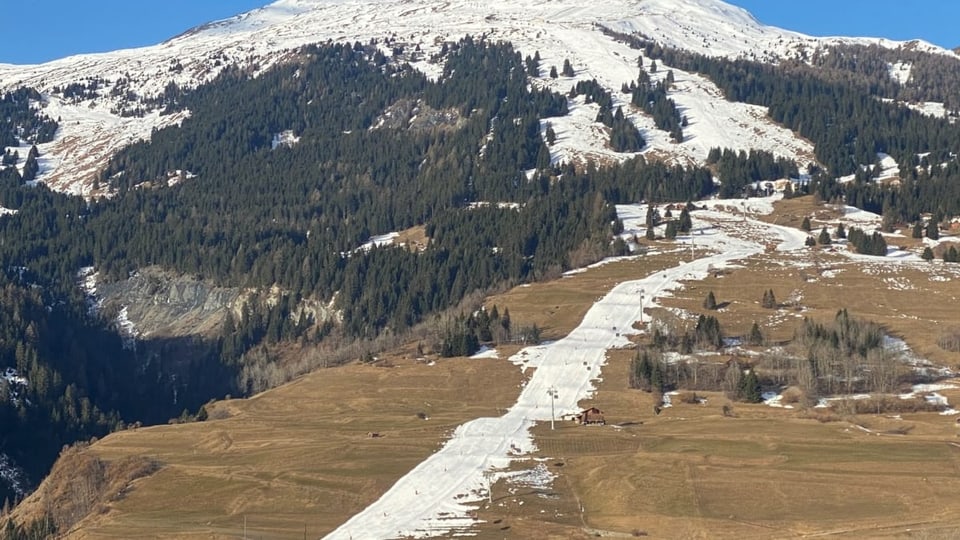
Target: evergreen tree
x: 824, y: 238
x: 805, y: 225
x: 769, y: 300
x: 657, y: 378
x: 841, y: 232
x: 708, y: 332
x: 568, y: 68
x: 755, y: 337
x: 553, y: 72
x: 917, y: 230
x: 749, y: 389
x: 933, y: 230
x: 671, y: 232
x: 788, y: 191
x: 927, y: 254
x: 710, y: 302
x: 685, y: 224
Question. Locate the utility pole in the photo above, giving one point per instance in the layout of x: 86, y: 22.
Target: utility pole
x: 553, y: 396
x: 641, y: 306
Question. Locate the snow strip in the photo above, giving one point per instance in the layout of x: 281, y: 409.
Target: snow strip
x: 438, y: 496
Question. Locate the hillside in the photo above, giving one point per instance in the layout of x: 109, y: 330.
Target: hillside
x: 106, y: 101
x: 298, y: 188
x: 263, y: 462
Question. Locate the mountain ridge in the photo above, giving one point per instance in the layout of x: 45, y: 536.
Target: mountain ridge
x: 114, y: 114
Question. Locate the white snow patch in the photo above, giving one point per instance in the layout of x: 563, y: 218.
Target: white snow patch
x: 900, y: 71
x: 823, y: 403
x: 773, y: 399
x: 7, y: 212
x: 127, y: 329
x: 889, y: 168
x: 12, y: 475
x: 12, y: 378
x: 379, y: 241
x: 284, y: 138
x: 486, y: 352
x: 499, y: 205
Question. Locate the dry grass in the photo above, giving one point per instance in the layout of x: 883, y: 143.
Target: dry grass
x: 692, y: 473
x: 558, y: 306
x: 414, y: 237
x: 915, y: 304
x: 298, y: 456
x: 302, y: 456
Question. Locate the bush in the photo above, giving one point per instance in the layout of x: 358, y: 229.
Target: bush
x: 950, y: 340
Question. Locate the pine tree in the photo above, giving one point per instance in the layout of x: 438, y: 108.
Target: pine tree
x: 933, y: 230
x: 824, y: 238
x: 749, y: 388
x: 769, y: 300
x: 656, y: 378
x: 810, y: 241
x: 686, y: 224
x: 671, y: 232
x: 788, y: 191
x: 755, y: 337
x: 927, y: 254
x: 806, y: 224
x: 917, y: 230
x: 551, y: 135
x: 710, y: 302
x: 553, y: 72
x: 568, y: 69
x: 841, y: 232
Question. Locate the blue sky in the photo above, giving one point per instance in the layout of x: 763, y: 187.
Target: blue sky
x: 933, y: 20
x: 42, y: 30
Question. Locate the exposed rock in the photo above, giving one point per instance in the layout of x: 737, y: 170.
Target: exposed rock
x: 157, y: 303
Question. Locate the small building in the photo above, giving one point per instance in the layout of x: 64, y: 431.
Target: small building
x: 590, y: 417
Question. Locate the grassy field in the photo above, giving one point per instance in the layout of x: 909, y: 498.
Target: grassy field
x: 301, y: 459
x: 916, y: 304
x: 690, y: 472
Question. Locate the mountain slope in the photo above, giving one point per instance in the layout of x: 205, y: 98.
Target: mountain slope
x: 119, y: 103
x: 269, y: 163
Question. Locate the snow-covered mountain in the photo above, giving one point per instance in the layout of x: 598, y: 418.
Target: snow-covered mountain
x: 100, y: 122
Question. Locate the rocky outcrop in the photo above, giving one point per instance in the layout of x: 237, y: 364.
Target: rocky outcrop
x: 155, y: 303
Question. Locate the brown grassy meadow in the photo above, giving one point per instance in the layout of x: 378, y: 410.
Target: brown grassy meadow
x: 299, y: 460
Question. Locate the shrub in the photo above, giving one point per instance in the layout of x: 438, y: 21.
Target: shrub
x: 950, y: 340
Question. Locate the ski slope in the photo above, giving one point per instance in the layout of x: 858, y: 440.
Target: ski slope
x: 437, y: 497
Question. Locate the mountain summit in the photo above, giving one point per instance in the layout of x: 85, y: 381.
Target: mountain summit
x: 115, y: 108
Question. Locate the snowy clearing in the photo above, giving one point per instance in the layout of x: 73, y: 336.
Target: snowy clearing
x: 380, y: 240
